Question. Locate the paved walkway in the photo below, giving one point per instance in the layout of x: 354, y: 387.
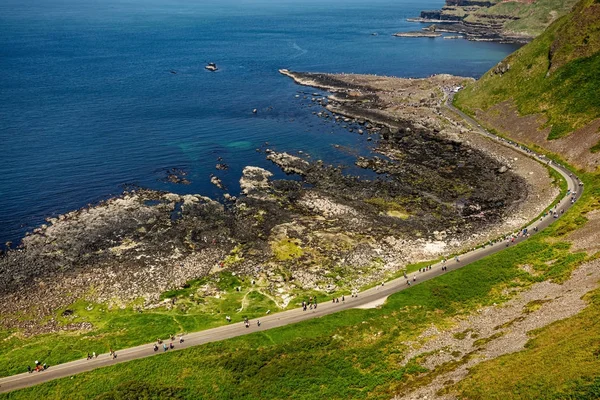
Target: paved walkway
x: 365, y: 298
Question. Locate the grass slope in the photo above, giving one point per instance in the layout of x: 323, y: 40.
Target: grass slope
x: 562, y: 361
x: 352, y: 354
x: 557, y: 74
x: 532, y: 18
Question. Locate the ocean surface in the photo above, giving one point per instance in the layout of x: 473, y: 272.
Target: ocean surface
x: 97, y: 95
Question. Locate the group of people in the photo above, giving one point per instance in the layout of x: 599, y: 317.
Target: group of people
x: 310, y: 304
x: 246, y: 321
x: 111, y: 354
x: 164, y: 345
x: 38, y: 367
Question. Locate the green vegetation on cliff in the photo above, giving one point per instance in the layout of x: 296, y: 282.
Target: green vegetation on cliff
x: 557, y: 74
x: 526, y: 18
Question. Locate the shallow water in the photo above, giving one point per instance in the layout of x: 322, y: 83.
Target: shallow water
x: 95, y: 95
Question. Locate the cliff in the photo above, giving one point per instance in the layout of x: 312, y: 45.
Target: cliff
x: 503, y: 21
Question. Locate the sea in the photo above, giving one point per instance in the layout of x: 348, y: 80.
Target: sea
x: 100, y: 95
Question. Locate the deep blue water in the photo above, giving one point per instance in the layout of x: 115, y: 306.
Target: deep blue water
x: 88, y: 102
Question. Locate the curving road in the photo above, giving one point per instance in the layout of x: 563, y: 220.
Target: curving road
x: 365, y: 299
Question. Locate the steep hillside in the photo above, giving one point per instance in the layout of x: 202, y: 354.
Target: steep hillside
x: 506, y: 21
x: 548, y: 89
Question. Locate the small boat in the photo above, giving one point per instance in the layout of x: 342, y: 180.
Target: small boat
x: 211, y: 66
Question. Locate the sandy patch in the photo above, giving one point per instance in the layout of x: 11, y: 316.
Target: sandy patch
x: 373, y: 304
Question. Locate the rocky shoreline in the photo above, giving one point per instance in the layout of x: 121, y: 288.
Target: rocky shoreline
x: 439, y: 189
x: 417, y: 34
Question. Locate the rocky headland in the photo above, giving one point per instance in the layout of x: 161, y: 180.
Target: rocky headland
x: 518, y: 22
x: 418, y: 34
x: 438, y: 188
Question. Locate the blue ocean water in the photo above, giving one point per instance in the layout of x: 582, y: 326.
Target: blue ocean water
x: 97, y: 94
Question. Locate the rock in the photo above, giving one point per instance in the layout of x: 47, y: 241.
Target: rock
x: 502, y: 169
x: 222, y: 167
x: 217, y: 182
x: 229, y: 197
x: 288, y: 163
x: 501, y: 68
x: 417, y: 34
x: 254, y: 180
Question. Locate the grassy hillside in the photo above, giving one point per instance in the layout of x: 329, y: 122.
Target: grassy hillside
x: 530, y: 19
x: 563, y: 359
x: 557, y: 74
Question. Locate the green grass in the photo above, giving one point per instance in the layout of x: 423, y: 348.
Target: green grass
x: 595, y: 148
x: 533, y: 17
x: 538, y: 83
x: 287, y: 249
x: 389, y: 207
x: 121, y: 328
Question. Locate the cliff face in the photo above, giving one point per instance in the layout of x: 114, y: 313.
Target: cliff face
x: 467, y: 3
x: 546, y: 93
x: 439, y: 15
x: 503, y: 21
